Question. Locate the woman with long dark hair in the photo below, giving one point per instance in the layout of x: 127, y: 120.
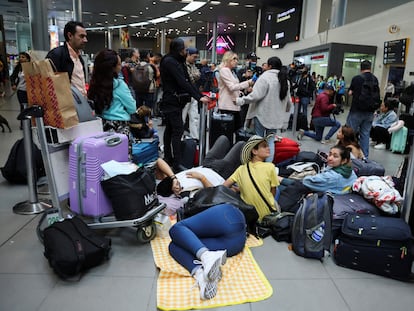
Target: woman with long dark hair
x: 18, y: 83
x: 269, y: 102
x: 113, y: 100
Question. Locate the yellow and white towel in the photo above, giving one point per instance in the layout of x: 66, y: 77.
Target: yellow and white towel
x: 243, y: 281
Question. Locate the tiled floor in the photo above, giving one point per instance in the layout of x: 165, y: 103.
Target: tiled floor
x: 128, y: 280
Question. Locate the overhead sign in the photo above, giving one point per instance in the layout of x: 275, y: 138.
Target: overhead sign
x: 395, y: 52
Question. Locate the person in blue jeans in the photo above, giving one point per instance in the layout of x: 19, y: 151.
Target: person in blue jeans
x: 321, y: 117
x: 202, y: 243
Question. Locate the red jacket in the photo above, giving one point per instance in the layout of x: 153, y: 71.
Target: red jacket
x: 323, y: 106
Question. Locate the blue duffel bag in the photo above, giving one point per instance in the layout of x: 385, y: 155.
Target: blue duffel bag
x: 145, y: 151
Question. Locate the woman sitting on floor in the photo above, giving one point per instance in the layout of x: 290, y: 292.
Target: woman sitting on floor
x: 338, y: 178
x: 202, y: 243
x: 253, y: 155
x: 347, y: 138
x: 382, y: 122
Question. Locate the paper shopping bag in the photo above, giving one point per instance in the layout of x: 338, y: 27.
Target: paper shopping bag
x: 33, y: 83
x: 55, y: 94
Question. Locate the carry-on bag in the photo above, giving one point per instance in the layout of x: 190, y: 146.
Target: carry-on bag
x: 221, y: 124
x: 189, y: 153
x: 350, y: 203
x: 367, y: 167
x: 86, y: 154
x: 399, y: 140
x: 312, y: 226
x: 145, y: 151
x: 375, y: 244
x: 285, y: 148
x: 131, y: 195
x: 72, y: 247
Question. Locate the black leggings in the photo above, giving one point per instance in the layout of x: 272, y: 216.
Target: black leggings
x: 380, y: 135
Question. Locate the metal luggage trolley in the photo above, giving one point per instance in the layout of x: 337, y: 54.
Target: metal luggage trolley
x: 146, y: 229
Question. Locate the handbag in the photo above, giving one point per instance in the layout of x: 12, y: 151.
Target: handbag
x: 131, y: 195
x: 208, y: 197
x: 52, y: 91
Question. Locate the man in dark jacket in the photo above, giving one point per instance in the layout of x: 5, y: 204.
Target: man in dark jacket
x: 67, y: 58
x: 175, y: 83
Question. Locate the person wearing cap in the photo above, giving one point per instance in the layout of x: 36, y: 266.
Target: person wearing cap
x: 176, y: 87
x: 230, y: 87
x: 321, y: 117
x: 269, y: 103
x: 191, y: 108
x: 255, y: 171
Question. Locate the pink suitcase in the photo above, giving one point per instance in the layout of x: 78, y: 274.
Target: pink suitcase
x: 86, y: 154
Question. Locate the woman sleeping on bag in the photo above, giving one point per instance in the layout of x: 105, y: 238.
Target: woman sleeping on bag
x: 338, y: 177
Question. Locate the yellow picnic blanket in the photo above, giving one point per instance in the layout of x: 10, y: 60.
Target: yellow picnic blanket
x: 243, y: 281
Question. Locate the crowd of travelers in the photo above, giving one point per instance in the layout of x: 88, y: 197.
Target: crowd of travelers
x: 259, y: 97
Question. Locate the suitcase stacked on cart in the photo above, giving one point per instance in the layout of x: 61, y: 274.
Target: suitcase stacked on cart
x: 86, y: 154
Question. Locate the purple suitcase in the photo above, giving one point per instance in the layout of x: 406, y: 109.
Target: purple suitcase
x: 86, y: 154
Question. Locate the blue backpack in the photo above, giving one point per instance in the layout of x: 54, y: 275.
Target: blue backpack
x: 312, y: 226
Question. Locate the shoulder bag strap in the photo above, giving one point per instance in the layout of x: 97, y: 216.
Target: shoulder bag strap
x: 258, y: 190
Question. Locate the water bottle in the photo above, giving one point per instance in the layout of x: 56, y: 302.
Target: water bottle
x: 163, y: 225
x: 317, y: 234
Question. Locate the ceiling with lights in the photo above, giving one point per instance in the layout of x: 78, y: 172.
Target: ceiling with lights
x: 147, y: 17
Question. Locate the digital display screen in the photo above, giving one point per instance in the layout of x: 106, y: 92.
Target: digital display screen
x: 224, y: 43
x: 280, y: 23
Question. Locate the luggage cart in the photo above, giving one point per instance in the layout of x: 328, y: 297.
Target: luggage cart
x: 146, y: 229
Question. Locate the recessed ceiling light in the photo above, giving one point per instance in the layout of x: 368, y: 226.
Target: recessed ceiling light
x: 249, y: 6
x: 103, y: 13
x: 233, y: 4
x: 215, y: 2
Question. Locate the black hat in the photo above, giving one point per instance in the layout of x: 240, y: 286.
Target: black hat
x: 252, y: 55
x: 329, y: 87
x: 191, y: 51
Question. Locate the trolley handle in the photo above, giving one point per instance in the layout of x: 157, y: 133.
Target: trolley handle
x: 113, y: 141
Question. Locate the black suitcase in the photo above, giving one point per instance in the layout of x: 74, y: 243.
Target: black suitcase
x: 221, y: 124
x: 188, y: 152
x: 367, y: 167
x: 375, y: 244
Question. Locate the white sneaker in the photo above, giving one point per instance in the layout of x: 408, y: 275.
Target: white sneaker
x: 372, y: 143
x: 380, y: 147
x: 208, y: 289
x: 300, y: 134
x: 326, y: 141
x: 212, y: 261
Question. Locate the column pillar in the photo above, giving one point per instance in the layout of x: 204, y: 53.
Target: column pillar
x: 77, y: 10
x: 214, y: 44
x: 338, y: 13
x: 163, y: 41
x: 39, y: 24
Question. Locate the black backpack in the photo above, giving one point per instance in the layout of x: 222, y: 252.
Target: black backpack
x: 140, y: 78
x: 14, y: 171
x: 369, y: 99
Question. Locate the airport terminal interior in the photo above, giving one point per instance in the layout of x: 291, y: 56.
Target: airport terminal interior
x: 128, y: 280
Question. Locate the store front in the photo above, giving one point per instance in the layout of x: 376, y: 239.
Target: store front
x: 336, y: 59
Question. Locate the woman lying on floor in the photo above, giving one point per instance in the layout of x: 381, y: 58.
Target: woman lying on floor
x: 202, y: 243
x: 220, y: 162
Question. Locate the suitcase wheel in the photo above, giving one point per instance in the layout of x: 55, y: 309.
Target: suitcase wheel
x: 146, y: 232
